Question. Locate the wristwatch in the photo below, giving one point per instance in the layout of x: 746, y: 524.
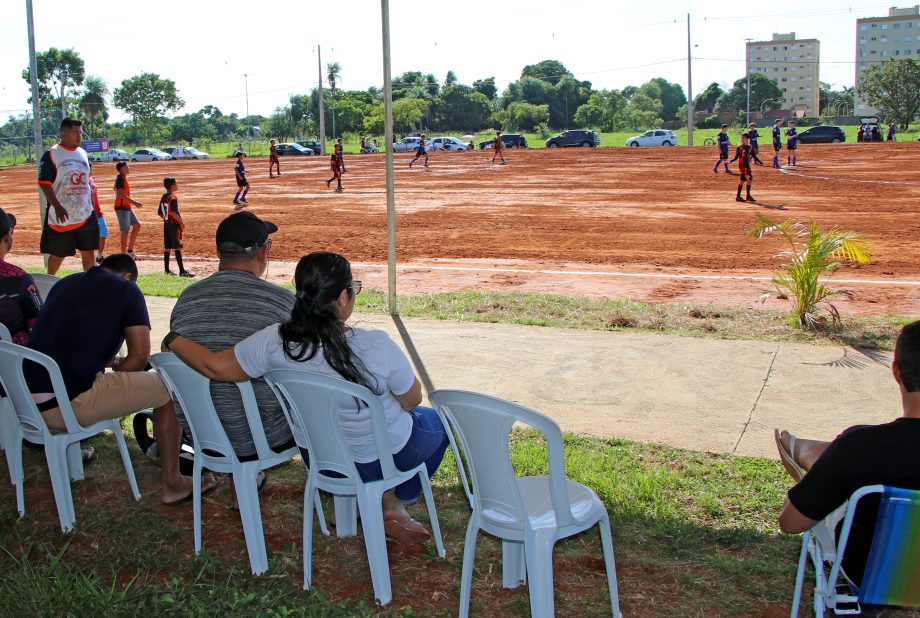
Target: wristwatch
x: 168, y: 339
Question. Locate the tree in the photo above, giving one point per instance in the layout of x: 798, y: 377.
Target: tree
x: 333, y: 72
x: 523, y: 116
x: 146, y: 97
x: 763, y: 90
x: 279, y: 125
x: 603, y: 110
x: 547, y: 70
x: 191, y: 127
x: 642, y: 112
x: 893, y: 88
x: 460, y: 107
x: 93, y: 103
x: 450, y: 79
x: 486, y: 86
x: 58, y: 71
x: 407, y: 112
x: 671, y: 96
x: 706, y: 100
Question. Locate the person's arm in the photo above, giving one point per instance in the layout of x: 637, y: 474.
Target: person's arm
x: 59, y: 211
x: 221, y: 366
x: 120, y: 195
x: 137, y: 339
x: 792, y: 521
x: 737, y: 154
x: 410, y: 398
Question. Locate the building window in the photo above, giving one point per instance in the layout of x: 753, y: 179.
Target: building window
x: 897, y: 26
x: 897, y: 52
x: 863, y: 27
x: 908, y: 38
x: 884, y: 54
x: 873, y: 52
x: 884, y: 26
x: 884, y: 39
x: 862, y: 54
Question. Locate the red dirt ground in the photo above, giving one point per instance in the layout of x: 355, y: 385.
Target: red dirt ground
x: 606, y: 222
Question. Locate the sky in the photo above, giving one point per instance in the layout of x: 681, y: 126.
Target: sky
x: 207, y: 50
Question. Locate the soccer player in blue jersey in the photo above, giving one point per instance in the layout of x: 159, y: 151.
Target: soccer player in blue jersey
x: 754, y: 134
x: 421, y: 152
x: 723, y: 142
x: 242, y: 183
x: 791, y: 143
x: 777, y: 141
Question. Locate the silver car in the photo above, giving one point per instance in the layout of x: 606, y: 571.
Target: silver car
x: 656, y: 137
x: 408, y: 144
x: 150, y: 154
x: 447, y: 143
x: 109, y: 156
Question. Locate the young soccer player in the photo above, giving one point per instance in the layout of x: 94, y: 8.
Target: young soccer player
x: 497, y: 147
x: 103, y: 228
x: 335, y: 165
x: 421, y: 152
x: 173, y: 226
x: 754, y: 134
x: 273, y: 158
x: 791, y: 143
x: 128, y: 224
x: 241, y: 183
x: 891, y: 132
x: 743, y: 154
x: 723, y: 143
x: 340, y: 153
x: 777, y: 141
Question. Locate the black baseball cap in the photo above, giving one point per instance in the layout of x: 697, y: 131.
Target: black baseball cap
x: 7, y: 222
x: 243, y: 232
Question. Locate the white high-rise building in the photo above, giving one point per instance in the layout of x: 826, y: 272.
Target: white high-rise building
x: 793, y: 64
x: 882, y: 38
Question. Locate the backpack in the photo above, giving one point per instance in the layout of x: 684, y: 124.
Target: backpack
x: 143, y: 433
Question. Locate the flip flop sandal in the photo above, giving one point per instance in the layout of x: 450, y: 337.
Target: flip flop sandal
x: 786, y: 456
x: 205, y: 490
x: 405, y: 531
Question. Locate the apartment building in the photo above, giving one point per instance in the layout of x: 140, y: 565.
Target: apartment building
x: 882, y: 38
x: 793, y: 64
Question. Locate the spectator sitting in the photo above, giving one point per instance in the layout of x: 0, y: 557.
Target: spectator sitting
x: 82, y: 325
x: 316, y: 338
x: 20, y: 301
x: 861, y: 455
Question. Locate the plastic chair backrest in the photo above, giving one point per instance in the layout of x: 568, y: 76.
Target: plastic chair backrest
x: 892, y: 575
x: 44, y: 282
x: 483, y: 424
x: 5, y: 333
x: 193, y: 392
x: 14, y: 384
x: 311, y: 403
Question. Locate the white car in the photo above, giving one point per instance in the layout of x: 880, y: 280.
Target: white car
x: 150, y: 154
x: 447, y: 143
x: 186, y: 152
x: 656, y: 137
x: 110, y: 155
x: 408, y: 144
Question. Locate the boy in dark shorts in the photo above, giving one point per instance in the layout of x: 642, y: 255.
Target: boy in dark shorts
x: 723, y: 142
x: 777, y: 142
x: 743, y: 154
x: 335, y: 165
x: 791, y: 143
x: 339, y: 150
x: 173, y: 226
x: 497, y: 147
x: 421, y: 152
x: 241, y: 183
x: 128, y: 224
x: 273, y: 159
x: 754, y: 134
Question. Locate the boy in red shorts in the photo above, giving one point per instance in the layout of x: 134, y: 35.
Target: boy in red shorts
x: 497, y: 147
x: 273, y: 159
x: 335, y: 165
x: 173, y: 226
x: 743, y: 154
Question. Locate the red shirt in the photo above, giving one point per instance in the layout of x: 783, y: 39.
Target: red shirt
x: 498, y: 143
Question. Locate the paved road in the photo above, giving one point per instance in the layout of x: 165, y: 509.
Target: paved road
x: 710, y: 395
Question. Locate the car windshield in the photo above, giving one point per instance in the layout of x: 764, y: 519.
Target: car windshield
x: 648, y: 134
x: 192, y: 149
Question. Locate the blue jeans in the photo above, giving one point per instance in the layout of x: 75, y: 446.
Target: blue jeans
x: 426, y: 444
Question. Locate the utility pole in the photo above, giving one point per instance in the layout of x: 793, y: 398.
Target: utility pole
x: 388, y: 146
x: 36, y: 107
x: 747, y: 73
x: 322, y: 113
x: 689, y: 86
x: 248, y: 124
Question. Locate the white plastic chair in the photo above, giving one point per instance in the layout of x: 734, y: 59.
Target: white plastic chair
x: 311, y: 402
x: 214, y: 451
x: 44, y: 282
x: 62, y: 450
x: 529, y: 514
x: 6, y: 416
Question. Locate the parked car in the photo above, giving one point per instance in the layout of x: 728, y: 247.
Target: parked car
x: 575, y: 137
x: 447, y: 143
x: 822, y: 134
x: 293, y: 149
x: 655, y: 137
x: 109, y: 156
x: 313, y: 145
x: 509, y: 140
x: 187, y: 152
x: 407, y: 144
x: 150, y: 154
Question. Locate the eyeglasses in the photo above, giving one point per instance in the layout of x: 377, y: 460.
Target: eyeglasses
x: 355, y: 287
x: 267, y: 243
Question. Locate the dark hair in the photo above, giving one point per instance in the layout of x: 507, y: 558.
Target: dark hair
x: 746, y: 134
x: 320, y: 278
x: 69, y: 122
x: 724, y: 126
x: 120, y: 165
x: 907, y: 356
x: 120, y: 264
x: 168, y: 182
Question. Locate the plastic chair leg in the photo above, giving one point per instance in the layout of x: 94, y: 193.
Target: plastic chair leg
x: 538, y: 551
x: 346, y: 517
x: 247, y: 496
x: 375, y: 541
x: 799, y: 577
x: 318, y: 507
x: 309, y: 500
x: 607, y: 545
x: 432, y: 512
x: 126, y: 459
x: 56, y: 456
x: 14, y: 460
x: 75, y: 461
x: 196, y: 503
x: 514, y: 571
x: 469, y: 557
x: 13, y: 438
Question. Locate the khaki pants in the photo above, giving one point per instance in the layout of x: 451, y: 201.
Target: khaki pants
x: 113, y: 395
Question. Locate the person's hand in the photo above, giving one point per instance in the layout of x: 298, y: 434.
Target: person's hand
x: 116, y: 360
x: 60, y: 213
x: 138, y: 204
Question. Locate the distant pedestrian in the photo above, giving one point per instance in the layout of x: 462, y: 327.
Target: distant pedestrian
x: 777, y: 141
x: 340, y: 153
x: 242, y: 184
x: 791, y: 143
x: 173, y: 226
x: 128, y: 224
x: 421, y: 152
x: 336, y: 172
x: 497, y: 147
x: 860, y: 133
x: 723, y: 142
x: 891, y: 132
x: 743, y: 154
x: 273, y: 158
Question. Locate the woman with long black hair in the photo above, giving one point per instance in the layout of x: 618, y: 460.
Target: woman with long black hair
x: 316, y: 338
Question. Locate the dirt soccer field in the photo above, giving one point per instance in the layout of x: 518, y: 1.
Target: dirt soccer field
x: 653, y: 224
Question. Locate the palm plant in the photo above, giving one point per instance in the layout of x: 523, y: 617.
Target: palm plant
x: 333, y: 72
x: 812, y: 254
x: 93, y: 103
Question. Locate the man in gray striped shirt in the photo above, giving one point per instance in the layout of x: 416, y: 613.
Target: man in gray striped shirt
x: 222, y: 310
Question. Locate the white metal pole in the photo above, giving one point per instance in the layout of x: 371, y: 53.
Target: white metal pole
x: 322, y: 113
x: 388, y: 146
x: 248, y: 124
x: 689, y: 87
x: 36, y: 107
x: 747, y: 72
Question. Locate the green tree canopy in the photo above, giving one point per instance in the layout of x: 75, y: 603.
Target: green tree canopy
x: 893, y: 88
x: 522, y: 116
x: 706, y: 100
x: 147, y: 97
x: 642, y: 112
x: 763, y: 89
x: 602, y: 111
x: 547, y: 70
x: 460, y: 107
x: 671, y: 96
x: 407, y: 113
x: 486, y: 86
x: 93, y: 104
x: 58, y: 71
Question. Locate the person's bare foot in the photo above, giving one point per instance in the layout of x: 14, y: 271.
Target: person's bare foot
x: 181, y: 492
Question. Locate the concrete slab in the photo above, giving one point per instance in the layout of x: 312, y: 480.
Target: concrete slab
x: 703, y: 394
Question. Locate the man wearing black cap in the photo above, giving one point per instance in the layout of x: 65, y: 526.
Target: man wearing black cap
x: 19, y: 298
x: 225, y: 308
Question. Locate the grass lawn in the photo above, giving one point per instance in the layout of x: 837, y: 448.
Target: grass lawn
x: 694, y: 535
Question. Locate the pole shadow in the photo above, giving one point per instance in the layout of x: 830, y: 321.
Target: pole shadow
x: 414, y: 356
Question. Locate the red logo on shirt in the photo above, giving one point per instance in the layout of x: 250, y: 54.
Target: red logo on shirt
x: 78, y: 178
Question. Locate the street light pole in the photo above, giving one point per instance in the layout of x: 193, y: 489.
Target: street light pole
x: 388, y: 147
x: 747, y: 72
x: 322, y: 113
x: 36, y: 108
x: 689, y: 87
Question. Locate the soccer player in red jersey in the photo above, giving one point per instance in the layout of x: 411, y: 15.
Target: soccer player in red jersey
x: 336, y: 166
x: 743, y: 154
x: 173, y: 226
x: 273, y: 159
x: 497, y: 147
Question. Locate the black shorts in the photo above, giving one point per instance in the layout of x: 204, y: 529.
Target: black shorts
x: 723, y: 154
x: 746, y: 175
x: 242, y: 182
x: 66, y: 244
x: 273, y: 158
x: 172, y: 236
x: 777, y: 146
x: 791, y: 146
x: 421, y: 152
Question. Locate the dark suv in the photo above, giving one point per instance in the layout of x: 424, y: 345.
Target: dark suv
x: 313, y: 145
x: 575, y: 137
x: 822, y: 134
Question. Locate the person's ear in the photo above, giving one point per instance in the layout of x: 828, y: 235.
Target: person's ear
x: 896, y: 371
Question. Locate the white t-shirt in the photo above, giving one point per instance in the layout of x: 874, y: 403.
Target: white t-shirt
x: 66, y: 171
x: 385, y: 362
